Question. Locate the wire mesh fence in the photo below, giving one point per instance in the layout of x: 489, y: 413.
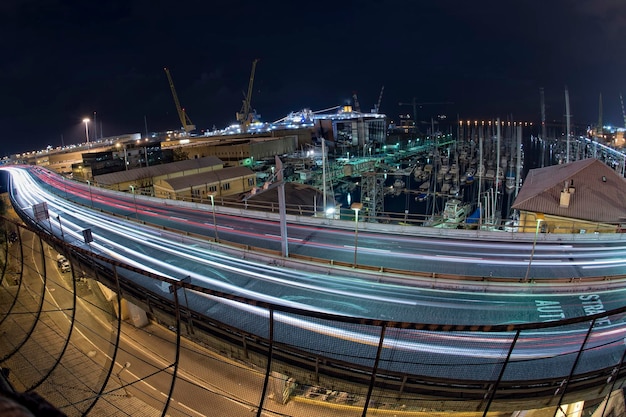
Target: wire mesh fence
x: 105, y: 338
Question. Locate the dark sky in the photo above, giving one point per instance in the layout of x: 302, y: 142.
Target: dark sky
x: 63, y: 60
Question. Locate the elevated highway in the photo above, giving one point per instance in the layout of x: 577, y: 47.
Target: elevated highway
x: 446, y: 337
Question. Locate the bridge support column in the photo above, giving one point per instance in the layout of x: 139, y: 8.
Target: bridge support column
x: 129, y: 311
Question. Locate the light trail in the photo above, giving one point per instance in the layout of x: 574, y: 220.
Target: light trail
x: 533, y: 346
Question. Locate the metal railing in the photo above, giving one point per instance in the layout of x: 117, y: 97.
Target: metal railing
x: 107, y: 339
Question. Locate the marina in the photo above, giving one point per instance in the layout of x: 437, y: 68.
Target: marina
x: 444, y: 182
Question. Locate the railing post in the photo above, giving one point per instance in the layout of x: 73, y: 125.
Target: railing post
x: 494, y: 388
x: 383, y: 328
x: 259, y: 411
x: 565, y: 383
x: 174, y: 290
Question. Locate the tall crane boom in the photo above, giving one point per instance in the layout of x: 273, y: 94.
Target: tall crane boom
x: 380, y: 99
x: 186, y: 123
x: 244, y: 116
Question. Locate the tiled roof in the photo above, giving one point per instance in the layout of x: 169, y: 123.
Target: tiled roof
x: 210, y: 177
x: 157, y: 170
x: 599, y: 192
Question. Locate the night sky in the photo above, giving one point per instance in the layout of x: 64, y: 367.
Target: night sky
x: 63, y: 60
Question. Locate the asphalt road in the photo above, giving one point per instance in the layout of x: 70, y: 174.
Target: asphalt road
x: 538, y: 354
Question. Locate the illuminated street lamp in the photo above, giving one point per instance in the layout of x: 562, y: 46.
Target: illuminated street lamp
x: 213, y: 210
x: 540, y: 217
x: 118, y: 145
x: 90, y: 195
x: 356, y: 207
x: 86, y: 122
x: 132, y: 188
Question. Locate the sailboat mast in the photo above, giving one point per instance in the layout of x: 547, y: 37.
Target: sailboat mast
x: 481, y: 172
x: 497, y: 179
x: 324, y: 174
x: 543, y: 115
x: 567, y: 116
x: 518, y: 173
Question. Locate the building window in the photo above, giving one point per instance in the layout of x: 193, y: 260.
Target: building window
x: 226, y: 186
x: 251, y: 182
x: 212, y: 188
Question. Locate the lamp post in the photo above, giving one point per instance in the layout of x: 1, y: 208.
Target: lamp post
x: 123, y: 147
x: 86, y: 122
x: 61, y: 228
x: 356, y: 207
x: 126, y: 366
x: 90, y: 195
x: 132, y: 188
x: 540, y: 218
x: 213, y: 210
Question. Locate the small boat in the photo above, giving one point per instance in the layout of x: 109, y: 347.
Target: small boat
x: 454, y: 213
x: 455, y: 210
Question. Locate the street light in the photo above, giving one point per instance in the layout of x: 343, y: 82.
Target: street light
x: 86, y: 122
x: 125, y: 154
x: 356, y: 207
x: 540, y: 217
x: 132, y: 187
x: 126, y: 366
x: 90, y: 195
x: 61, y: 228
x: 213, y: 210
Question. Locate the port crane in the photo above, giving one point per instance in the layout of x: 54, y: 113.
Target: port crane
x: 244, y: 117
x: 185, y: 121
x: 376, y: 108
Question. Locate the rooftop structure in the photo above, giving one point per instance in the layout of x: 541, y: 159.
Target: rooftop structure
x: 586, y: 192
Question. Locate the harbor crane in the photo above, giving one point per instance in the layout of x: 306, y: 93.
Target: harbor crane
x: 244, y: 117
x: 376, y: 108
x: 415, y: 104
x: 185, y: 121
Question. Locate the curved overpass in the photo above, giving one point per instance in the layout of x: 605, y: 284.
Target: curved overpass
x: 471, y: 335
